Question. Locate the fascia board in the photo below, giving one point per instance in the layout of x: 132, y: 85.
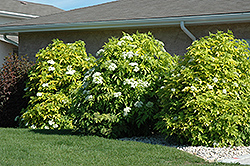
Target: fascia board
x: 16, y: 15
x: 115, y: 24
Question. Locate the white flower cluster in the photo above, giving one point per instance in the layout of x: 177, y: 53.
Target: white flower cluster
x: 89, y: 97
x: 177, y: 75
x: 134, y: 84
x: 51, y: 68
x: 45, y: 85
x: 97, y: 78
x: 210, y: 86
x: 193, y: 88
x: 51, y: 62
x: 133, y: 64
x: 39, y: 94
x: 131, y: 81
x: 53, y: 124
x: 136, y: 69
x: 235, y: 84
x: 70, y: 71
x: 131, y: 45
x: 138, y: 104
x: 215, y: 79
x: 126, y: 111
x: 127, y: 38
x: 64, y: 101
x: 97, y: 74
x: 121, y: 42
x: 143, y: 84
x: 112, y: 67
x: 129, y: 54
x: 117, y: 94
x: 33, y: 127
x: 99, y: 52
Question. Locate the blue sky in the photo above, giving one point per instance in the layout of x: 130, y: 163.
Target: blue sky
x: 70, y: 4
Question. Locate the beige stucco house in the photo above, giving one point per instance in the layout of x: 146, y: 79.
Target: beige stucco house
x: 14, y: 10
x: 176, y: 22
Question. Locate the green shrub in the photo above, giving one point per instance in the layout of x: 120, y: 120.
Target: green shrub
x: 58, y: 71
x: 206, y: 98
x: 12, y: 82
x: 119, y: 95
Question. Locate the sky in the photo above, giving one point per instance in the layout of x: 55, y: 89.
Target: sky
x: 69, y: 4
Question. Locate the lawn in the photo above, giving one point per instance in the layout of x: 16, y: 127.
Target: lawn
x: 57, y: 148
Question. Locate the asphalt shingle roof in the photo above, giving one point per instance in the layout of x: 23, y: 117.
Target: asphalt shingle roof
x: 28, y: 8
x: 140, y: 9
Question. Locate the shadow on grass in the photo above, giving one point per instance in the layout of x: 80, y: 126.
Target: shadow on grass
x: 54, y: 132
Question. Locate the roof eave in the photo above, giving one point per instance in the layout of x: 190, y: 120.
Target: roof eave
x: 17, y: 15
x: 145, y: 22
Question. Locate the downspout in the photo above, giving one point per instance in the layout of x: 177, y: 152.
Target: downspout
x: 9, y: 40
x: 187, y: 31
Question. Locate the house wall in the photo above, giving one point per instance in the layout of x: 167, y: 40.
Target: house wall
x: 176, y: 41
x: 5, y: 50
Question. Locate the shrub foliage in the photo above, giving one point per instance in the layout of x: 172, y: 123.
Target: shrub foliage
x: 206, y: 98
x: 58, y: 71
x: 12, y: 82
x: 118, y: 96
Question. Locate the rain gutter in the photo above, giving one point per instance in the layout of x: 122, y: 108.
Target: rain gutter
x: 129, y: 23
x: 9, y: 40
x: 187, y: 31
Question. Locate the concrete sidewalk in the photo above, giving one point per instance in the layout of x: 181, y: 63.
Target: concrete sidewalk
x: 243, y: 160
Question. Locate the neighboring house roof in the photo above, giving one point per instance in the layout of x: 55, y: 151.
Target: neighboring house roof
x: 134, y: 13
x: 27, y: 8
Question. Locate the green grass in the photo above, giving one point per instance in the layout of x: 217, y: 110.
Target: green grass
x: 59, y: 148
